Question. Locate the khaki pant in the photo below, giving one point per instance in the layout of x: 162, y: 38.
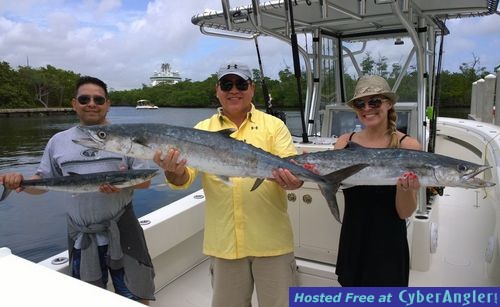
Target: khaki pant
x: 233, y: 280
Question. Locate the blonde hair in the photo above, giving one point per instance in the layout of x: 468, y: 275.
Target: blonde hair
x: 392, y: 119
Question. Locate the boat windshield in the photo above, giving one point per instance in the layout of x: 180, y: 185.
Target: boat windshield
x: 144, y: 102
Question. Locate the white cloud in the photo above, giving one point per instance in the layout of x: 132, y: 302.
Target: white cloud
x: 124, y: 42
x: 107, y: 6
x: 471, y: 37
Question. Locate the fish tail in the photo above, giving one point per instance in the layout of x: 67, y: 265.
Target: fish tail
x: 329, y: 192
x: 5, y: 193
x: 331, y: 183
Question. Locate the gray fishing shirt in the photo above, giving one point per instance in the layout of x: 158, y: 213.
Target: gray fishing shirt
x: 97, y: 218
x: 63, y: 157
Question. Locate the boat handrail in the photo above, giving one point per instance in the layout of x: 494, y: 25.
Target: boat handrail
x: 487, y: 142
x: 211, y: 31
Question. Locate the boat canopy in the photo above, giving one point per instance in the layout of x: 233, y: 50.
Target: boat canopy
x: 345, y: 18
x: 331, y: 24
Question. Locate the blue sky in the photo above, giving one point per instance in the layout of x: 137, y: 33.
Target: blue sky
x: 125, y: 41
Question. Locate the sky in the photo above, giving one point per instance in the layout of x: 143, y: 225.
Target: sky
x: 124, y: 42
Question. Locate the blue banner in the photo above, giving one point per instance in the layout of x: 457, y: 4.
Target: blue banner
x: 392, y: 297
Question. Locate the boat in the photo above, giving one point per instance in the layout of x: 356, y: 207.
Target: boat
x: 165, y: 76
x: 454, y: 238
x: 144, y: 104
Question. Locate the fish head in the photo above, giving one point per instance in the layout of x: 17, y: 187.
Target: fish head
x: 114, y: 138
x: 462, y: 174
x: 148, y: 174
x: 141, y: 175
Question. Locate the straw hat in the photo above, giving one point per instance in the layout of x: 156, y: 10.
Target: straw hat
x: 372, y: 85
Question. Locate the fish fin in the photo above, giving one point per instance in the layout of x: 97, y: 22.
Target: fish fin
x: 74, y: 174
x: 140, y: 141
x: 256, y: 184
x: 343, y: 173
x: 226, y: 132
x: 352, y: 144
x: 5, y: 193
x: 332, y: 183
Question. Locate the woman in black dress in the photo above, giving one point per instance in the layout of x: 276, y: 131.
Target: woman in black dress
x: 373, y: 249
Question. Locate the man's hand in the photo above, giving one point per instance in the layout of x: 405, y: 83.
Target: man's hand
x: 285, y: 179
x: 12, y: 181
x: 175, y: 170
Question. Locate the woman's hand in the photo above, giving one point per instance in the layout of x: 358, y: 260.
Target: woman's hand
x: 409, y: 181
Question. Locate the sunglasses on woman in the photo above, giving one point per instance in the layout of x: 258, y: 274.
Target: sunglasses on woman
x: 373, y: 103
x: 85, y: 99
x: 227, y: 85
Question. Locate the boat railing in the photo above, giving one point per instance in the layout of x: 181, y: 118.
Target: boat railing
x: 485, y: 98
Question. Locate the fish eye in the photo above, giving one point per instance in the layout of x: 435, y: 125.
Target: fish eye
x: 462, y: 168
x: 101, y: 134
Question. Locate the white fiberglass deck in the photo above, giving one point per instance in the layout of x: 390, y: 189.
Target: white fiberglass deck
x: 192, y: 289
x: 458, y: 261
x: 460, y: 257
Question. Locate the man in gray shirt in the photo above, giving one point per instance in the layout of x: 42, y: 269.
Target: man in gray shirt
x: 103, y: 231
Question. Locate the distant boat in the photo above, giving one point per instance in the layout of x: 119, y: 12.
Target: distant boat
x: 165, y: 76
x: 144, y: 104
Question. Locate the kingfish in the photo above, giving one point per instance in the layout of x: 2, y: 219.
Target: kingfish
x: 210, y: 152
x: 76, y: 183
x: 386, y: 165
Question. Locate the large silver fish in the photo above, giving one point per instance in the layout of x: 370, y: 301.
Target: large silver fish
x: 211, y: 152
x: 386, y: 165
x: 77, y: 183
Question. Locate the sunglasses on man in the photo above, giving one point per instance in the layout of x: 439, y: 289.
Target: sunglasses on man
x: 85, y: 99
x: 373, y: 103
x: 241, y: 85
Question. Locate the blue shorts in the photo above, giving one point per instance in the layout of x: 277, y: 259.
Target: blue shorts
x: 117, y: 276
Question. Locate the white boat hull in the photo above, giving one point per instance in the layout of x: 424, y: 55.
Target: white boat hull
x: 466, y: 221
x: 146, y: 107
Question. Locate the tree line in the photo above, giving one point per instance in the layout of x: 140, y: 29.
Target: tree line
x: 27, y: 87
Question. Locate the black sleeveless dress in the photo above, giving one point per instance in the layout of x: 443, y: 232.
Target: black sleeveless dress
x: 373, y: 248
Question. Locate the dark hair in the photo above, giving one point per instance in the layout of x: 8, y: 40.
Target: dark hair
x: 87, y: 79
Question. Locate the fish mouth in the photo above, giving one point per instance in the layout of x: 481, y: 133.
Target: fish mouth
x: 471, y: 181
x: 151, y: 173
x: 90, y: 141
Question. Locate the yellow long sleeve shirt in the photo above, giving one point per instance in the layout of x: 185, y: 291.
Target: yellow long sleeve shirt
x: 240, y: 223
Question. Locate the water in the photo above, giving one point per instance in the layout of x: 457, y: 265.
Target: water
x: 34, y: 227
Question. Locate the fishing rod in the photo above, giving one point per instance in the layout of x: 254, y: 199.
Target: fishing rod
x: 296, y: 68
x: 431, y: 146
x: 265, y: 91
x: 436, y: 103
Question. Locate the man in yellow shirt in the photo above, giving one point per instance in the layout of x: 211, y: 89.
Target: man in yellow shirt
x: 247, y: 234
